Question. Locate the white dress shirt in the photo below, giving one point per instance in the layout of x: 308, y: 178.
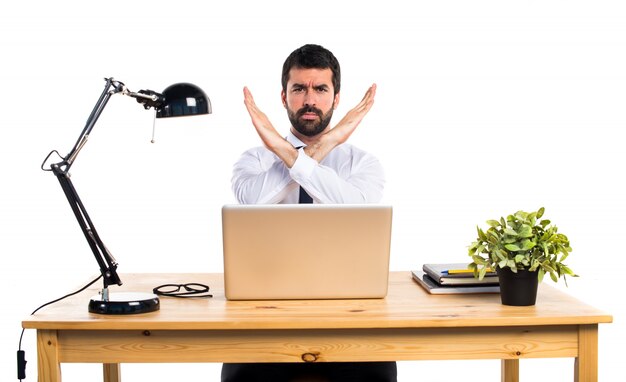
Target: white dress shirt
x: 347, y: 175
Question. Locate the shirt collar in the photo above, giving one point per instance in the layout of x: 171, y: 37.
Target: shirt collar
x: 291, y: 138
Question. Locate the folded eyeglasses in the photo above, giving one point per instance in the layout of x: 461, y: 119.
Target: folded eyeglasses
x: 183, y: 290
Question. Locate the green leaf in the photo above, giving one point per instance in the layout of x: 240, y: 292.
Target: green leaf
x: 479, y: 260
x: 512, y: 247
x: 482, y: 273
x: 509, y: 231
x: 510, y: 240
x: 526, y: 231
x: 568, y: 271
x: 540, y: 212
x: 553, y: 277
x: 547, y: 266
x: 525, y: 262
x: 500, y: 255
x: 521, y: 216
x: 493, y: 223
x: 481, y: 234
x: 527, y: 244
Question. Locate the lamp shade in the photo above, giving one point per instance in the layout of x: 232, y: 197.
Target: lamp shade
x: 183, y: 99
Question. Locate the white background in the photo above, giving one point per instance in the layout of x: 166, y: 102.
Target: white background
x: 483, y: 108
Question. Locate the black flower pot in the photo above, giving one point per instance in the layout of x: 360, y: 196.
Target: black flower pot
x: 518, y: 288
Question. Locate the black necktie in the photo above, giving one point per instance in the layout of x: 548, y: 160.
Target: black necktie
x: 304, y: 197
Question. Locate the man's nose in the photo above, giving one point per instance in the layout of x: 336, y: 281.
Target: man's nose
x: 310, y: 99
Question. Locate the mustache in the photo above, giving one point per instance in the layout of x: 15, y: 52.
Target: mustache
x: 309, y: 109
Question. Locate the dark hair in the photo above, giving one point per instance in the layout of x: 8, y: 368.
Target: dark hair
x: 311, y: 56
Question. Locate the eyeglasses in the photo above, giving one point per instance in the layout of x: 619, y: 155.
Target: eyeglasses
x: 183, y: 290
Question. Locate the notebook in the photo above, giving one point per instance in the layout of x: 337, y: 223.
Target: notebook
x: 306, y: 251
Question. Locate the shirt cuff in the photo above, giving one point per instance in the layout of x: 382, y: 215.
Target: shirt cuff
x: 303, y: 166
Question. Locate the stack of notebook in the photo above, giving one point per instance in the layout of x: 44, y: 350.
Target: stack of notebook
x: 454, y: 278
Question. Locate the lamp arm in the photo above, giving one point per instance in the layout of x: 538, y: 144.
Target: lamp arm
x: 112, y: 87
x: 106, y: 261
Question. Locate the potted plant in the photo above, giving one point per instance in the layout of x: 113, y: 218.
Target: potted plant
x: 522, y: 249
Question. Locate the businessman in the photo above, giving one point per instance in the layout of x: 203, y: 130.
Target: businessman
x: 312, y: 164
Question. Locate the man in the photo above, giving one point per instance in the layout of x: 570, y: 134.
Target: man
x: 313, y: 164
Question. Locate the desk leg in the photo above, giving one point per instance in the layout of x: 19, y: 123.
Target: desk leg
x: 112, y: 372
x: 510, y: 370
x: 48, y: 366
x: 586, y: 364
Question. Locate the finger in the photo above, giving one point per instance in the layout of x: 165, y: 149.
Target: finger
x: 372, y: 91
x: 368, y: 99
x: 369, y: 95
x: 247, y: 95
x: 249, y: 100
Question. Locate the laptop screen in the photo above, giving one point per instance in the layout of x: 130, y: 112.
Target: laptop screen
x: 306, y: 251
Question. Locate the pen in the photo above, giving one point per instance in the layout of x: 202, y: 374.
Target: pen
x: 457, y: 271
x: 460, y: 271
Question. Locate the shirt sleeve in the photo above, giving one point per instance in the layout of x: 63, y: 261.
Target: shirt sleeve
x: 355, y: 177
x: 260, y: 177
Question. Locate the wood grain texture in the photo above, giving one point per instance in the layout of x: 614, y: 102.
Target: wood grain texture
x: 111, y: 372
x: 509, y: 370
x: 406, y: 305
x: 409, y: 324
x: 48, y: 367
x: 331, y: 345
x: 586, y: 364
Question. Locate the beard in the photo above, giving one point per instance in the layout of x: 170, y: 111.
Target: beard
x: 306, y: 127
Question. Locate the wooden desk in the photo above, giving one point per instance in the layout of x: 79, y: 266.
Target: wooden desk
x: 407, y: 325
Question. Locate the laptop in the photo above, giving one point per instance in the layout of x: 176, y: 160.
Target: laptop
x: 306, y: 251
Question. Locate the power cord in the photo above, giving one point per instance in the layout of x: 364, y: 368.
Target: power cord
x: 21, y: 354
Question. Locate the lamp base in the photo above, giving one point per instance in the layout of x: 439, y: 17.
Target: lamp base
x: 125, y: 303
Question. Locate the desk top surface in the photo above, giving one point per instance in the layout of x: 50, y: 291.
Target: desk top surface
x: 407, y: 305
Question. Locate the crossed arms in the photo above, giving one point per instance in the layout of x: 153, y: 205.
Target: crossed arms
x: 328, y: 171
x: 319, y: 148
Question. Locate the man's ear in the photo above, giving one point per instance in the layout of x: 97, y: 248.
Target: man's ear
x: 336, y: 101
x: 283, y: 98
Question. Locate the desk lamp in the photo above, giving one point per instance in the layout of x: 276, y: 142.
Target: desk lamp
x: 177, y: 100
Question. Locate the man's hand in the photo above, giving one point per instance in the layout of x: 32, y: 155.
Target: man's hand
x: 342, y: 131
x: 348, y: 124
x: 270, y: 137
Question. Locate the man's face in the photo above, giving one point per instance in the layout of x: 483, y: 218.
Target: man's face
x: 310, y: 100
